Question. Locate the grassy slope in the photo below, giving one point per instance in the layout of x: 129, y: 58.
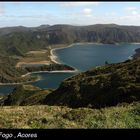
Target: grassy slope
x: 8, y: 72
x: 100, y: 87
x: 43, y: 116
x: 123, y: 115
x: 26, y: 95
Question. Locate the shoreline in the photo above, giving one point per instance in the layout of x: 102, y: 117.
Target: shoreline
x: 57, y: 71
x: 132, y: 55
x: 136, y: 54
x: 18, y: 83
x: 135, y: 43
x: 53, y: 56
x: 53, y: 59
x: 62, y: 71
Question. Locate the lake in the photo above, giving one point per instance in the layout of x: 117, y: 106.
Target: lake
x: 82, y: 57
x: 87, y: 56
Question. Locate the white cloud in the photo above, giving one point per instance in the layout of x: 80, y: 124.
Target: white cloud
x: 81, y: 19
x: 132, y: 11
x: 2, y: 10
x: 130, y: 8
x: 83, y: 14
x: 75, y: 4
x: 87, y: 12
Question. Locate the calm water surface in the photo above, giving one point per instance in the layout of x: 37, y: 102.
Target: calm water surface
x: 82, y: 57
x: 87, y: 56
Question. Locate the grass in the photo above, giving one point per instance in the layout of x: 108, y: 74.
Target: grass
x: 43, y: 116
x: 36, y: 57
x: 40, y: 56
x: 54, y: 46
x: 26, y: 95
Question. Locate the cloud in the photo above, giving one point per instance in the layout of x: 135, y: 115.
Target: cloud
x: 78, y: 15
x: 132, y: 10
x: 77, y: 4
x: 87, y: 12
x: 2, y: 10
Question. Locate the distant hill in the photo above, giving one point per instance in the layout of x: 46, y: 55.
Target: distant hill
x: 22, y: 39
x: 115, y: 88
x: 104, y: 86
x: 16, y: 41
x: 103, y: 33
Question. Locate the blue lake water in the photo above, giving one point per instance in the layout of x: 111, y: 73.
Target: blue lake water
x: 51, y: 80
x: 82, y: 57
x: 87, y: 56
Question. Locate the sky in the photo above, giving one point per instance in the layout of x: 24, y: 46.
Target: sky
x: 32, y: 14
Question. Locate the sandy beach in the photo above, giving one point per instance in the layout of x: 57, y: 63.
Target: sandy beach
x: 53, y: 57
x: 57, y: 71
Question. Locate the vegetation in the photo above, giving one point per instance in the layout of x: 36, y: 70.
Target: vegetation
x: 15, y: 42
x: 10, y: 74
x: 51, y: 67
x: 43, y: 116
x: 25, y: 95
x: 104, y: 97
x: 19, y: 40
x: 114, y: 85
x: 100, y: 87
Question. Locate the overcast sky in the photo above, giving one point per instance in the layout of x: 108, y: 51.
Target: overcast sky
x: 76, y: 13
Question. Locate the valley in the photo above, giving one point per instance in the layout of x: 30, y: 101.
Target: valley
x: 65, y: 76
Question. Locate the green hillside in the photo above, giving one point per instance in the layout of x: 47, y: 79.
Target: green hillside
x: 25, y: 95
x: 104, y: 97
x: 100, y: 87
x: 19, y: 40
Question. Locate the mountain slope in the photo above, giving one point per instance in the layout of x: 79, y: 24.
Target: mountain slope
x: 22, y: 39
x: 25, y: 95
x: 10, y: 74
x: 100, y: 87
x: 103, y: 33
